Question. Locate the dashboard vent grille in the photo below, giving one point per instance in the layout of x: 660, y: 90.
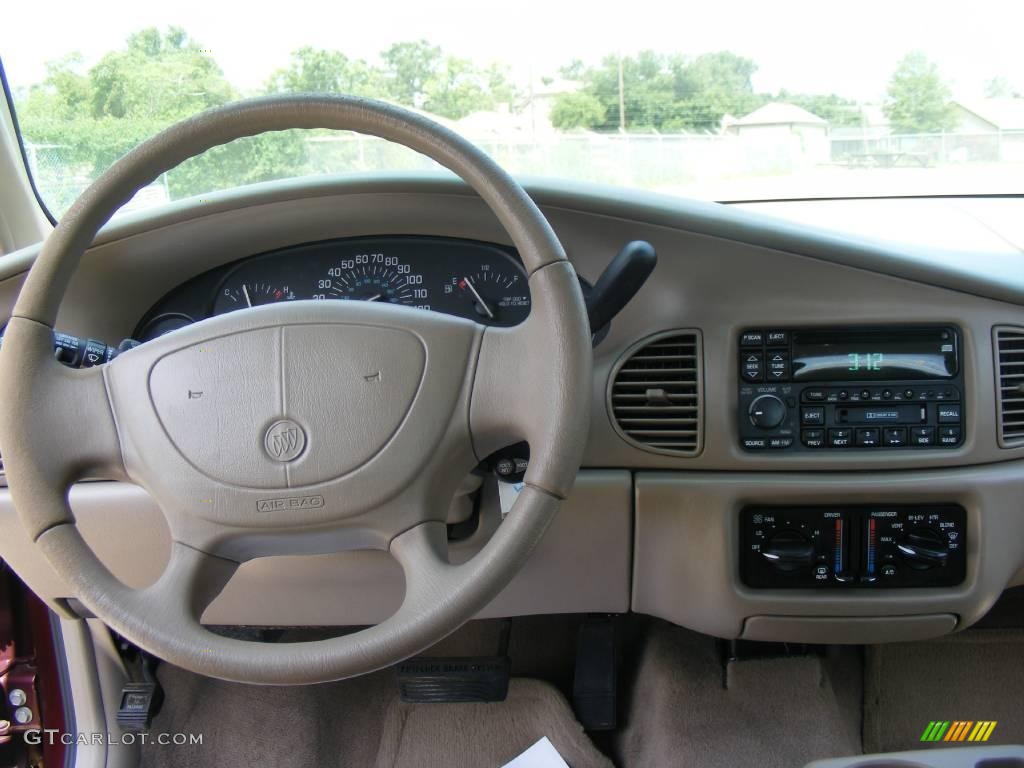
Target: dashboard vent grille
x: 1009, y: 344
x: 654, y: 395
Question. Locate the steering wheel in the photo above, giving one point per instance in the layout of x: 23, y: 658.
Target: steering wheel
x: 297, y: 428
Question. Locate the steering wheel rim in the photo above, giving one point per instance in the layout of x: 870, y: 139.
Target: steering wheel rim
x: 528, y: 382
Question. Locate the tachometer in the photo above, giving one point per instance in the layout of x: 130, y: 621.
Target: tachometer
x: 495, y: 296
x: 373, y: 277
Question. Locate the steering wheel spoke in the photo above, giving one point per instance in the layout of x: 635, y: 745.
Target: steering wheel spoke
x: 540, y: 398
x: 69, y: 432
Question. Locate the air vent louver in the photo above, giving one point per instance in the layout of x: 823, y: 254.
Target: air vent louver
x: 654, y: 396
x: 1009, y: 344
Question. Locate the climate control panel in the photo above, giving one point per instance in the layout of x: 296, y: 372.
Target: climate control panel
x: 850, y: 547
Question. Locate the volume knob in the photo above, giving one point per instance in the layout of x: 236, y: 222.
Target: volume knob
x: 767, y: 412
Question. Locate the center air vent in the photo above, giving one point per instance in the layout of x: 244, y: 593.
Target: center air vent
x: 1009, y: 344
x: 654, y: 394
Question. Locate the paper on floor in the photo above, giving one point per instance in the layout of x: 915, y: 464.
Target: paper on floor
x: 541, y: 755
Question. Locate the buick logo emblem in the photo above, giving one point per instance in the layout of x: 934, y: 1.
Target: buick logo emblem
x: 284, y: 440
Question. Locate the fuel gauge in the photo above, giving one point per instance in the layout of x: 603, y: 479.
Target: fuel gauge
x: 491, y: 296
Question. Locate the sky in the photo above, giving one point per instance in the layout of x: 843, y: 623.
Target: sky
x: 849, y: 48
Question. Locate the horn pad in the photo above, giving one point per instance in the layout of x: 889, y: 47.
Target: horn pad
x: 287, y: 406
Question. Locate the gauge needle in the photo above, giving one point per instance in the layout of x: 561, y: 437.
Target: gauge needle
x: 374, y: 298
x: 245, y: 292
x: 479, y: 299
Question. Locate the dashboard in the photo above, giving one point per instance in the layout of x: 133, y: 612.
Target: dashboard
x: 674, y: 514
x: 479, y: 281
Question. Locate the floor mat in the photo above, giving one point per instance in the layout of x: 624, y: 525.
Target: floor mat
x: 358, y: 722
x: 975, y: 675
x: 764, y: 712
x: 482, y: 735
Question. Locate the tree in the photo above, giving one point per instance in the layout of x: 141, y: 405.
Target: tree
x: 577, y: 110
x: 663, y: 93
x: 1000, y: 88
x: 314, y: 70
x: 918, y: 100
x: 409, y: 67
x: 91, y: 118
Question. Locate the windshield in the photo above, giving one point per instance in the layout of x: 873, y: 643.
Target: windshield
x: 720, y: 101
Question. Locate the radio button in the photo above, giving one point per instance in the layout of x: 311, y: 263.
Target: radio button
x: 844, y: 395
x: 814, y: 395
x: 776, y: 338
x: 840, y: 438
x: 778, y: 365
x: 868, y: 438
x: 813, y: 438
x: 752, y: 367
x: 887, y: 394
x: 908, y: 394
x: 752, y: 339
x: 949, y: 414
x: 754, y: 443
x: 780, y: 442
x: 813, y: 416
x: 949, y: 435
x: 922, y: 436
x: 894, y: 437
x: 865, y: 394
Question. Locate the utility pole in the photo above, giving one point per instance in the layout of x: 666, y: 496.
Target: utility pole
x: 622, y: 100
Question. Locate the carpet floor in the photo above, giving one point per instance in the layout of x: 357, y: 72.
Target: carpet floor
x: 360, y: 723
x: 975, y: 675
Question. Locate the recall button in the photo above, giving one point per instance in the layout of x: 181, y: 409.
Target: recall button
x: 949, y: 413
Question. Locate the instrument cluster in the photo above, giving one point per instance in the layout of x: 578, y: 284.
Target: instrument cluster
x: 479, y: 281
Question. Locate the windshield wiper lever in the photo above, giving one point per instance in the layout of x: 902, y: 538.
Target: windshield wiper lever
x: 619, y: 282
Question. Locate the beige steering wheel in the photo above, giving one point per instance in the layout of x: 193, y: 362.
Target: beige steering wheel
x: 323, y: 426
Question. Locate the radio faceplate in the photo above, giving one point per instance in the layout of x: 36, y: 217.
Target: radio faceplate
x: 852, y: 389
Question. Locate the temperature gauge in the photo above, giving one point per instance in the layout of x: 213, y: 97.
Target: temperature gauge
x: 250, y: 294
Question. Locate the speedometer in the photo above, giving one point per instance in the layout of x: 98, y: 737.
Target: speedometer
x: 373, y: 277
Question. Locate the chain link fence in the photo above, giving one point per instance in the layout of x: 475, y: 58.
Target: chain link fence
x: 646, y: 161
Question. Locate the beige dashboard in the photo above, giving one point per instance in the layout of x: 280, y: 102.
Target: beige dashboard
x: 645, y: 531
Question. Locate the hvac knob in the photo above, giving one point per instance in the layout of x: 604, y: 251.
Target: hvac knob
x: 788, y: 550
x: 767, y: 412
x: 924, y: 548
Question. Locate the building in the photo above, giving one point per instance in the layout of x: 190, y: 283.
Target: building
x: 784, y: 127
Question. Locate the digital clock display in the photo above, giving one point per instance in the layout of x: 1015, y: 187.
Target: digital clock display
x: 874, y: 354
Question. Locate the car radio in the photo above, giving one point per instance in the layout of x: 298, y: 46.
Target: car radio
x: 856, y: 389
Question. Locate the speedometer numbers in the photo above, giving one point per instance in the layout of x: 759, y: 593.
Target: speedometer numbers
x: 495, y: 296
x: 373, y: 277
